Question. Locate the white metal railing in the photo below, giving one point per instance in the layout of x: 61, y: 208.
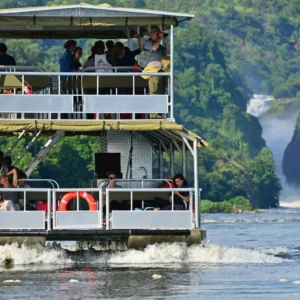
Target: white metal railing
x: 53, y: 218
x: 107, y: 95
x: 25, y: 219
x: 138, y: 181
x: 152, y: 190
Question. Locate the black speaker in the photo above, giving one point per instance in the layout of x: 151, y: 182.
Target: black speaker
x: 107, y: 162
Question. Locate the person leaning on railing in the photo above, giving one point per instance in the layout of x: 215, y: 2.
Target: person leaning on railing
x: 155, y: 55
x: 181, y: 199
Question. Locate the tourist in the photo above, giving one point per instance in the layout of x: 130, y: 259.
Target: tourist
x: 67, y: 64
x: 111, y: 183
x: 11, y: 199
x: 99, y: 59
x: 5, y: 59
x: 154, y: 53
x: 77, y: 56
x: 181, y: 199
x: 67, y: 61
x: 124, y: 57
x: 109, y: 46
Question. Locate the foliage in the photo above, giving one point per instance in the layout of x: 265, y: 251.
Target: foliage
x: 236, y: 205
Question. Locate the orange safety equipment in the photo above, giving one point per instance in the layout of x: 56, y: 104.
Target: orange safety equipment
x: 63, y: 205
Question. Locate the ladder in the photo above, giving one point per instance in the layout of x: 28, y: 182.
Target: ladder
x: 16, y: 141
x: 27, y: 148
x: 43, y: 152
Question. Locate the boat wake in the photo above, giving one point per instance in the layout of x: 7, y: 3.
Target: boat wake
x: 151, y: 256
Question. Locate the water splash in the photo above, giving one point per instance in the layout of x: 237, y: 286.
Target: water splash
x: 152, y: 255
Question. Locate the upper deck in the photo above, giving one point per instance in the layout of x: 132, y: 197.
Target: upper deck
x: 118, y: 95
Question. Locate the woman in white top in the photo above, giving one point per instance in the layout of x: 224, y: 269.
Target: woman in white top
x: 99, y: 58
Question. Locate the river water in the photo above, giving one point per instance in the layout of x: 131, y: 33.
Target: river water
x: 247, y: 256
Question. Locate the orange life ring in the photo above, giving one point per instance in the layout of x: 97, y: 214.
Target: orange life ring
x: 63, y: 205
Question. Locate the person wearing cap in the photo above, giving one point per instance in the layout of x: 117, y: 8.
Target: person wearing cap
x: 154, y: 53
x: 5, y: 59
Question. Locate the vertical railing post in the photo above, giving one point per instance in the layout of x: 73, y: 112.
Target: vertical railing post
x: 199, y: 208
x: 172, y: 199
x: 54, y: 207
x: 131, y: 201
x: 24, y: 201
x: 77, y: 201
x: 171, y: 87
x: 191, y: 204
x: 196, y: 183
x: 100, y: 207
x: 107, y: 209
x: 49, y: 209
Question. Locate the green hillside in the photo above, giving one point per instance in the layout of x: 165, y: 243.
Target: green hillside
x: 211, y: 89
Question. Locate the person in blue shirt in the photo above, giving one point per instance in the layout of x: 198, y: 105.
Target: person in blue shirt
x: 67, y: 62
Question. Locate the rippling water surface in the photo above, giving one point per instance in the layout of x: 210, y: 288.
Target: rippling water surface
x: 247, y: 256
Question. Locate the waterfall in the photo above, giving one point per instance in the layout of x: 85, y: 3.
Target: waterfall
x: 277, y: 132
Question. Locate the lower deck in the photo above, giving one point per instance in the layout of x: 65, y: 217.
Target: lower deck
x: 105, y: 240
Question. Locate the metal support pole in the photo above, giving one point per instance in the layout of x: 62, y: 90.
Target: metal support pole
x: 107, y: 209
x: 161, y: 171
x: 77, y: 201
x: 131, y: 201
x: 25, y: 200
x: 172, y: 159
x: 54, y: 207
x: 191, y: 204
x: 184, y: 159
x: 49, y: 209
x: 171, y: 87
x: 196, y: 183
x: 100, y: 208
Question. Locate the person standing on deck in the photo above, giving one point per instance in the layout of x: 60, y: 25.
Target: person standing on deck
x: 67, y: 64
x: 154, y: 53
x: 5, y: 59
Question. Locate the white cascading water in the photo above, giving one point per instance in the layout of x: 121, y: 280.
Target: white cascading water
x: 277, y: 133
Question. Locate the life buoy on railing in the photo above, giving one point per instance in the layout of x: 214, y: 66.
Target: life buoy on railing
x: 63, y: 205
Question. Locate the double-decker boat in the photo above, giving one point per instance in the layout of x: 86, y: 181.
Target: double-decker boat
x: 72, y: 103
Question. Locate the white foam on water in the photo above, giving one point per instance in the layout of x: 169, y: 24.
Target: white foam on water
x: 290, y: 204
x: 180, y: 253
x: 25, y: 255
x: 153, y: 254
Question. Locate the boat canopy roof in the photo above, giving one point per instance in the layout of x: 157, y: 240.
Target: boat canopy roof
x: 156, y: 132
x: 83, y: 21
